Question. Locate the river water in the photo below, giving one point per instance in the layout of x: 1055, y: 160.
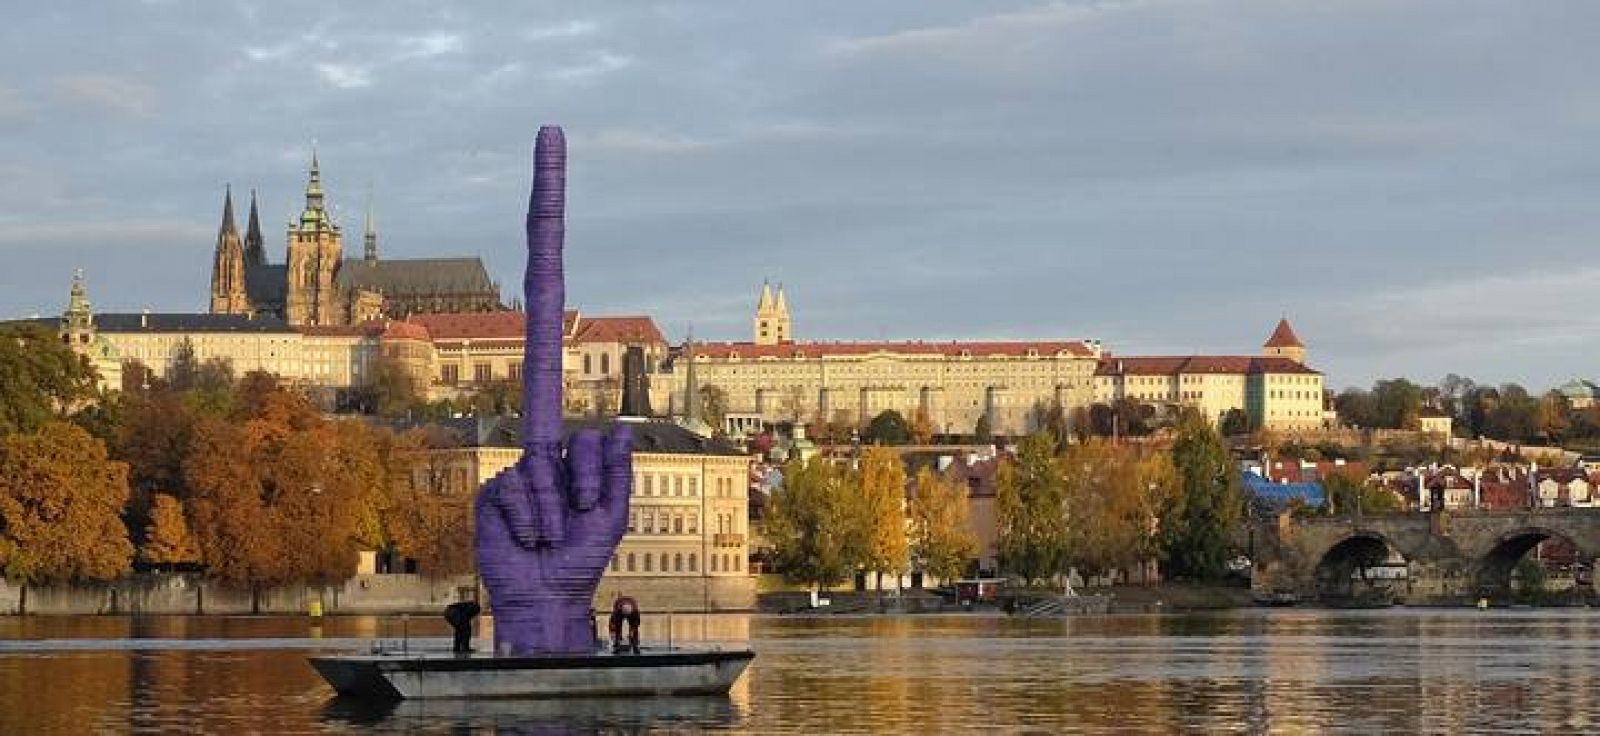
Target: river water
x: 1280, y: 670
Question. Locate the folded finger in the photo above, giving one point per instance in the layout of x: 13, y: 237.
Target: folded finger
x: 583, y: 468
x: 617, y: 470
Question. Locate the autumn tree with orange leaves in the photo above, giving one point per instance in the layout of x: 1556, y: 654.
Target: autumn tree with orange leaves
x: 167, y: 540
x: 283, y: 494
x: 430, y: 519
x: 61, y: 500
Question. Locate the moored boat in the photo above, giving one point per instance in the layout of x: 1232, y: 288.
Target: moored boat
x: 444, y: 675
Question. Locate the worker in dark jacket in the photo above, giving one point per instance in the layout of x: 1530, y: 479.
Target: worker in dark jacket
x: 460, y: 616
x: 625, y: 610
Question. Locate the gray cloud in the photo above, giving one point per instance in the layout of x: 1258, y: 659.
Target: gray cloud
x: 1411, y: 183
x: 119, y: 96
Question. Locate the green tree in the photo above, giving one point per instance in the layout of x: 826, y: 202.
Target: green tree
x: 1554, y: 417
x: 1512, y: 415
x: 1350, y: 496
x: 714, y: 406
x: 814, y: 524
x: 888, y: 428
x: 1357, y: 408
x: 61, y: 500
x: 1235, y: 423
x: 41, y: 378
x: 982, y: 431
x: 1398, y: 403
x: 1198, y: 525
x: 1034, y: 534
x: 389, y: 389
x: 941, y: 542
x: 883, y: 509
x: 1113, y: 496
x: 1053, y: 418
x: 184, y: 370
x: 498, y: 398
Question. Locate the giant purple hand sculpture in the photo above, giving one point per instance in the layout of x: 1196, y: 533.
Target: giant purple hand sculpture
x: 548, y: 525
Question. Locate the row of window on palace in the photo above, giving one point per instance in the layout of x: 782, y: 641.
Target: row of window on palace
x: 450, y: 373
x: 676, y: 562
x: 650, y: 521
x: 674, y: 485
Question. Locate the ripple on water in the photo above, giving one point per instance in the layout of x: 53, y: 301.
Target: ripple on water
x: 1368, y: 671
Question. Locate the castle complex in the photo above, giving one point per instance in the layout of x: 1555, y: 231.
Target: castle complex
x: 1011, y: 385
x: 321, y: 319
x: 317, y: 285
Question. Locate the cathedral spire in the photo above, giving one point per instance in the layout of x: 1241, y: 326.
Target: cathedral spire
x: 765, y: 303
x: 228, y: 264
x: 315, y: 216
x: 255, y: 250
x: 228, y: 227
x: 369, y: 241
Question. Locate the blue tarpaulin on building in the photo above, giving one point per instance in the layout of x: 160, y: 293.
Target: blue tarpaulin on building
x: 1265, y: 493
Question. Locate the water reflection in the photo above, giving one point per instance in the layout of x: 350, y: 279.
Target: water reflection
x: 1289, y: 670
x: 578, y: 716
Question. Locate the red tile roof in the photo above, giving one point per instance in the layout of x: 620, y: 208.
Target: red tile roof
x: 1175, y: 365
x: 512, y: 325
x: 746, y: 350
x: 631, y: 329
x: 1284, y: 337
x: 401, y: 330
x: 471, y: 325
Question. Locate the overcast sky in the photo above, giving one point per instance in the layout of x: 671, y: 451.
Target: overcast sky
x: 1416, y: 185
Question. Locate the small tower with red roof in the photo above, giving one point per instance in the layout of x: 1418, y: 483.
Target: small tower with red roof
x: 1285, y: 344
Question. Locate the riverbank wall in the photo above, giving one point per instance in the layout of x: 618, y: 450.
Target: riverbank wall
x: 194, y: 594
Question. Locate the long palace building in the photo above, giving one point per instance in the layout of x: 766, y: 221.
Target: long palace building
x: 1010, y: 383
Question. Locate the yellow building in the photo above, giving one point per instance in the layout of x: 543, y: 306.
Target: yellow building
x: 472, y: 349
x: 1275, y: 390
x: 954, y: 383
x: 687, y: 544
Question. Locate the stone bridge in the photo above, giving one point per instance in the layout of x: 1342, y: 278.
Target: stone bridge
x: 1440, y: 557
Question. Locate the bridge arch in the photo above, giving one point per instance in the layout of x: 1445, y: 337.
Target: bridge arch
x: 1360, y: 566
x: 1494, y: 570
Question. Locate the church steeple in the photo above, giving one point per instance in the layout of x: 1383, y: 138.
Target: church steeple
x: 766, y: 322
x: 783, y: 326
x: 227, y: 265
x: 315, y: 216
x: 311, y: 294
x: 369, y: 240
x: 228, y: 227
x: 255, y: 249
x: 1283, y: 343
x: 772, y: 317
x: 78, y: 320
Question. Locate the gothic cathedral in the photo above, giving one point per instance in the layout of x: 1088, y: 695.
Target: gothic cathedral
x: 317, y: 285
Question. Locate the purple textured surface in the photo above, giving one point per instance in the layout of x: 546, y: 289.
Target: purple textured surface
x: 547, y: 526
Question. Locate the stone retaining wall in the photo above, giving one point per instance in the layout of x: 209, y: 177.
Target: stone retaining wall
x: 189, y: 593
